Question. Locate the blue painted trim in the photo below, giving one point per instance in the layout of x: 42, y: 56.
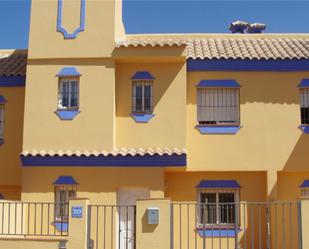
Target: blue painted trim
x: 142, y: 75
x: 68, y: 71
x: 218, y: 129
x: 12, y: 81
x: 2, y: 99
x: 304, y: 128
x: 108, y: 161
x: 217, y: 232
x: 81, y: 27
x: 67, y: 114
x: 218, y: 83
x: 218, y: 184
x: 61, y: 226
x: 142, y: 118
x: 65, y: 180
x: 304, y: 83
x: 247, y: 65
x: 305, y: 184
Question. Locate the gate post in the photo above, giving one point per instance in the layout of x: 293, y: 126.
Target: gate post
x: 78, y: 224
x: 152, y: 233
x: 303, y: 224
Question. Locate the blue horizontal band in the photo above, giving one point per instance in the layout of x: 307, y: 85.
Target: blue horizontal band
x: 247, y: 65
x: 218, y: 83
x: 12, y: 81
x: 218, y: 129
x: 142, y: 75
x: 142, y: 118
x: 217, y: 232
x: 67, y: 114
x: 107, y: 161
x: 218, y: 184
x: 68, y: 71
x: 304, y: 83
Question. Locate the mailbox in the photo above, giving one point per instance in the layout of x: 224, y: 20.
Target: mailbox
x: 153, y: 215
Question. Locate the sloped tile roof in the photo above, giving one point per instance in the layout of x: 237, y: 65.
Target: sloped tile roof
x: 13, y: 62
x: 232, y: 48
x: 115, y: 152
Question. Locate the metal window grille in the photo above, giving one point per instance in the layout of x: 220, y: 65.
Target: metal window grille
x: 68, y: 93
x: 305, y: 193
x: 217, y: 106
x: 142, y: 96
x: 304, y: 105
x: 62, y: 196
x: 217, y: 206
x: 1, y: 121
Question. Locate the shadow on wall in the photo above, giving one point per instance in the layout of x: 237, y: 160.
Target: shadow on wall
x: 165, y: 75
x: 266, y: 87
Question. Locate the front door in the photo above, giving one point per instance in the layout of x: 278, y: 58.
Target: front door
x: 126, y: 212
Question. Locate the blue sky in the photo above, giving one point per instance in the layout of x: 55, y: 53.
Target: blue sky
x: 174, y: 16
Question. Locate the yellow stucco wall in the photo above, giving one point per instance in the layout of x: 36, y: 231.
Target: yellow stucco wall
x: 167, y: 128
x: 29, y: 243
x: 270, y: 115
x: 10, y: 166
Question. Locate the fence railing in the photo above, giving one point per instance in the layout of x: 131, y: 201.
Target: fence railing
x: 112, y: 227
x: 244, y: 225
x: 33, y: 219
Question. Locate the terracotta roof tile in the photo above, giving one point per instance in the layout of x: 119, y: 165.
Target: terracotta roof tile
x: 13, y: 62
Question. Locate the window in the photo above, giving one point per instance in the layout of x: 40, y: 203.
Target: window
x: 217, y: 207
x: 218, y: 106
x: 304, y: 193
x: 304, y: 106
x: 1, y: 121
x: 62, y: 196
x: 142, y: 96
x: 68, y: 93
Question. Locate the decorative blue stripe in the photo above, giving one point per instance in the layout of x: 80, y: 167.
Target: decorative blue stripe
x: 304, y: 128
x: 142, y: 75
x: 65, y: 180
x: 67, y: 114
x: 142, y: 118
x: 2, y: 99
x: 81, y: 27
x: 217, y: 232
x: 218, y: 83
x: 218, y: 184
x: 108, y: 161
x: 247, y: 65
x: 305, y: 184
x: 218, y: 129
x: 304, y: 83
x: 12, y: 81
x: 68, y: 71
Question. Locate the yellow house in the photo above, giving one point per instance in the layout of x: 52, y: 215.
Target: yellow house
x: 209, y: 120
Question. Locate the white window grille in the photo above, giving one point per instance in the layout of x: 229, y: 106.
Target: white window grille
x: 217, y: 207
x: 142, y: 96
x: 218, y: 106
x: 68, y: 94
x: 304, y: 105
x: 62, y: 195
x: 1, y: 121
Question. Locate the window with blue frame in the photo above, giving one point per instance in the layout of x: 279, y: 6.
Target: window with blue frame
x: 142, y: 96
x: 304, y: 105
x: 62, y: 195
x: 2, y: 110
x: 68, y: 93
x: 218, y: 106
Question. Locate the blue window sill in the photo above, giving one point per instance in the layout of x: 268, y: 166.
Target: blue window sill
x: 142, y: 117
x: 218, y: 129
x: 61, y: 227
x: 226, y: 233
x: 304, y: 128
x: 67, y: 114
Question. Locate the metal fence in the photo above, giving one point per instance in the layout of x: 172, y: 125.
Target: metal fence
x: 111, y: 227
x: 244, y: 225
x: 33, y: 219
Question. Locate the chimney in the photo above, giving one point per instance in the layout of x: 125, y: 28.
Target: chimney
x: 256, y: 28
x: 238, y: 27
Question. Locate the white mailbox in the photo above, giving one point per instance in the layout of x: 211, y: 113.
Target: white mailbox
x: 153, y: 215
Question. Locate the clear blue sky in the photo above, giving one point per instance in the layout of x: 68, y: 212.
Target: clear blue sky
x: 174, y: 16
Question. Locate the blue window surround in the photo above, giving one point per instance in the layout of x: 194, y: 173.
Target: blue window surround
x: 65, y: 180
x: 216, y: 233
x: 61, y: 226
x: 12, y: 81
x: 2, y: 99
x: 218, y: 184
x: 305, y: 184
x: 155, y: 160
x: 142, y: 117
x: 247, y: 65
x: 204, y: 129
x: 81, y: 27
x: 229, y: 83
x: 142, y: 75
x: 304, y: 84
x: 304, y: 128
x: 62, y: 113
